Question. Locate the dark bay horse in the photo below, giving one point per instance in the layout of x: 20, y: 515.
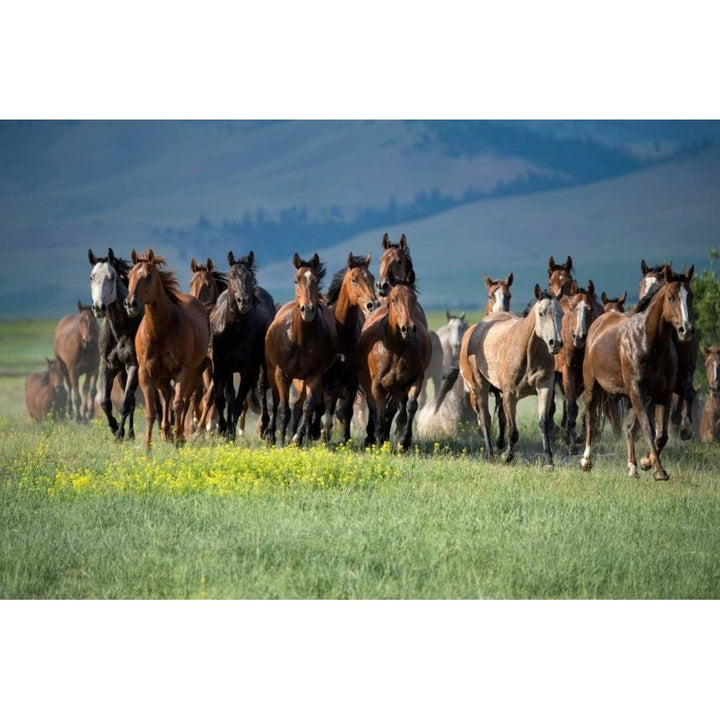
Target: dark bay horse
x: 108, y: 287
x: 239, y: 322
x: 499, y: 294
x: 351, y: 297
x: 633, y: 355
x: 396, y: 266
x: 579, y: 312
x: 301, y: 343
x: 45, y: 393
x: 171, y: 341
x: 393, y: 354
x: 681, y: 412
x: 77, y: 352
x: 710, y: 419
x: 511, y: 354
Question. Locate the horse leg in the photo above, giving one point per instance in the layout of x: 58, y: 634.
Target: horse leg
x: 593, y: 405
x: 644, y: 415
x: 283, y: 385
x: 92, y: 394
x: 75, y: 396
x: 108, y: 376
x: 570, y: 409
x: 262, y: 392
x: 509, y: 405
x: 411, y: 406
x: 247, y: 381
x: 686, y: 432
x: 150, y: 394
x: 127, y: 408
x: 386, y: 414
x: 544, y: 395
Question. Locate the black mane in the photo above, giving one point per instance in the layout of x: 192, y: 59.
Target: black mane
x: 647, y: 298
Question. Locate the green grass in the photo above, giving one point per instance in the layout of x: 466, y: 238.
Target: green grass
x: 24, y: 345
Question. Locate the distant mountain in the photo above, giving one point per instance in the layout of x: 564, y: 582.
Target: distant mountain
x: 494, y: 193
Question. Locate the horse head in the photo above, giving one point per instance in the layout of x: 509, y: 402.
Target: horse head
x: 241, y: 282
x: 88, y: 327
x: 712, y: 368
x: 560, y: 276
x: 578, y: 309
x: 498, y: 294
x: 613, y: 304
x: 651, y: 276
x: 308, y: 274
x: 106, y: 276
x: 395, y: 266
x: 146, y: 282
x: 677, y: 306
x: 359, y: 284
x: 402, y: 308
x: 456, y: 326
x: 204, y: 283
x: 548, y: 319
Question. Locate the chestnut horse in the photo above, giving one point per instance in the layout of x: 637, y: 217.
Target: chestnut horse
x: 78, y: 353
x: 301, y: 343
x: 560, y: 277
x: 614, y: 304
x: 710, y: 420
x: 45, y: 393
x: 634, y: 355
x: 578, y: 315
x: 513, y: 355
x: 239, y: 321
x: 499, y: 294
x: 681, y: 412
x: 171, y: 341
x: 118, y: 359
x: 393, y: 354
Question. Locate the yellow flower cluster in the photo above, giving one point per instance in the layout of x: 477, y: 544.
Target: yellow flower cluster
x: 225, y: 469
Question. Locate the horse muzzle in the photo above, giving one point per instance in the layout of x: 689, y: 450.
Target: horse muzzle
x: 555, y: 346
x: 383, y: 288
x: 243, y: 305
x: 685, y: 332
x: 579, y: 341
x: 408, y: 332
x: 100, y: 310
x: 307, y: 312
x: 132, y: 307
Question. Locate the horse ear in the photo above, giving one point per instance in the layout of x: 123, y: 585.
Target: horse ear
x: 690, y: 273
x: 568, y: 264
x: 368, y: 259
x: 91, y: 257
x: 574, y: 287
x: 251, y: 258
x: 80, y: 306
x: 551, y: 264
x: 623, y: 298
x: 296, y: 261
x: 488, y: 281
x: 150, y: 255
x: 315, y: 261
x: 193, y: 265
x: 403, y: 242
x: 111, y: 255
x: 351, y: 261
x: 538, y: 291
x: 210, y: 265
x: 666, y: 272
x: 604, y: 298
x: 447, y: 315
x: 231, y: 258
x: 509, y: 280
x: 462, y: 316
x: 386, y: 241
x: 134, y: 256
x: 591, y: 287
x: 644, y: 269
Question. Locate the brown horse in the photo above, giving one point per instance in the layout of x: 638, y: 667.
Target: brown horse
x: 393, y: 354
x: 513, y: 355
x: 710, y: 420
x: 301, y: 343
x: 560, y: 277
x: 578, y: 315
x: 613, y: 304
x: 171, y: 342
x: 681, y: 412
x: 351, y: 296
x: 634, y: 355
x: 78, y: 353
x: 499, y: 294
x: 45, y: 393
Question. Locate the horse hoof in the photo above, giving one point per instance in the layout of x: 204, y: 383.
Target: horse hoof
x: 507, y: 457
x: 645, y: 463
x: 660, y: 475
x: 585, y: 464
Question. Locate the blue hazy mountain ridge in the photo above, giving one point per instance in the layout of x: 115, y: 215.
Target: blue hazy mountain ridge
x: 472, y: 197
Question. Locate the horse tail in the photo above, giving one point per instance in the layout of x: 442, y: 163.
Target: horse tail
x: 448, y: 380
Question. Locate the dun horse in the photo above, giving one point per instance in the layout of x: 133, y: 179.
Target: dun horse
x: 710, y: 419
x: 513, y: 355
x: 108, y: 287
x: 45, y: 393
x: 239, y: 322
x: 171, y: 341
x: 77, y: 352
x: 681, y: 413
x: 393, y: 354
x: 634, y: 355
x: 301, y: 343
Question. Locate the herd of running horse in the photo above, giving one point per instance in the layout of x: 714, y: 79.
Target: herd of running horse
x: 204, y: 358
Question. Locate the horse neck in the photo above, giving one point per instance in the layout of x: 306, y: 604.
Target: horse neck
x: 300, y: 331
x: 657, y: 329
x: 346, y: 314
x: 116, y: 312
x: 158, y: 312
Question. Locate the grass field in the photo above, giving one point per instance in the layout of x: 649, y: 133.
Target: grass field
x: 84, y: 517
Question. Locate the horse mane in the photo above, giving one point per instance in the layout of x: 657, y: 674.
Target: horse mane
x: 167, y: 277
x: 647, y: 298
x: 333, y: 292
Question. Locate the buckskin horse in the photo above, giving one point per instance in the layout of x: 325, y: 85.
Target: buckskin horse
x: 77, y: 352
x: 171, y: 341
x: 393, y: 354
x: 108, y: 288
x: 634, y: 355
x: 513, y: 355
x: 301, y: 343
